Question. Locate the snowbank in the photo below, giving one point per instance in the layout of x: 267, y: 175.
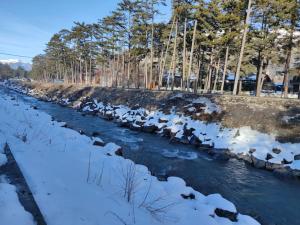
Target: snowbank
x: 263, y: 150
x: 11, y: 211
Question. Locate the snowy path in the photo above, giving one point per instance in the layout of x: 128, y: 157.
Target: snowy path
x: 75, y: 182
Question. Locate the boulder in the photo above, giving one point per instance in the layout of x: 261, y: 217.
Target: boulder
x: 140, y: 123
x: 297, y: 157
x: 64, y: 124
x: 220, y: 154
x: 269, y: 156
x: 285, y: 161
x: 184, y: 139
x: 162, y: 120
x: 166, y: 132
x: 258, y: 163
x: 124, y: 123
x: 160, y: 176
x: 149, y: 128
x: 81, y: 132
x: 135, y: 127
x: 99, y: 142
x: 189, y: 196
x: 188, y: 132
x: 119, y: 152
x: 232, y: 216
x: 273, y: 166
x: 194, y: 140
x: 246, y: 157
x: 276, y: 150
x: 252, y: 150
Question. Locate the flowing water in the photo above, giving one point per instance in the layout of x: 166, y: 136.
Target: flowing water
x: 259, y: 193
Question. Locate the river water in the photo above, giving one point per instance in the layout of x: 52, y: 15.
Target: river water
x: 259, y: 193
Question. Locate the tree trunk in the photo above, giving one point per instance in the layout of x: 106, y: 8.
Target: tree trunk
x: 240, y: 86
x: 86, y: 73
x: 123, y: 70
x: 293, y: 20
x: 286, y: 71
x: 128, y: 71
x: 184, y: 56
x: 160, y: 67
x: 192, y: 51
x: 138, y: 75
x: 200, y: 75
x: 197, y: 79
x: 80, y: 72
x: 258, y: 78
x: 225, y: 69
x: 166, y: 54
x: 208, y: 80
x: 151, y: 56
x: 90, y: 77
x: 146, y: 74
x: 174, y: 56
x: 237, y: 75
x: 216, y: 76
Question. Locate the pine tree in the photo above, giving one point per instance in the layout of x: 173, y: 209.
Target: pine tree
x: 289, y: 12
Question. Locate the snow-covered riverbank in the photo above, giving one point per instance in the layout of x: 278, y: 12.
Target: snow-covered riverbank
x: 259, y: 149
x: 76, y: 182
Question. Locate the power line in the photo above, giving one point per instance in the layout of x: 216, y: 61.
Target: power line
x: 23, y: 56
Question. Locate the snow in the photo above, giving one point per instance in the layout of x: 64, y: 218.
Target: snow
x: 3, y: 159
x: 75, y: 182
x: 9, y: 61
x: 210, y: 107
x: 65, y: 101
x: 295, y: 165
x: 279, y: 94
x: 15, y: 63
x: 11, y: 211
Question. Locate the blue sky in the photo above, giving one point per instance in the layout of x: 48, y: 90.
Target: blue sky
x: 27, y: 25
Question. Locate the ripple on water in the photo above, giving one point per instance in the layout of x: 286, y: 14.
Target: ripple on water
x: 129, y: 139
x: 175, y: 153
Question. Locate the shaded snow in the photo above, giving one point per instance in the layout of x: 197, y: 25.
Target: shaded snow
x: 11, y: 210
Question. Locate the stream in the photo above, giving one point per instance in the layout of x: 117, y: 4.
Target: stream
x: 255, y: 192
